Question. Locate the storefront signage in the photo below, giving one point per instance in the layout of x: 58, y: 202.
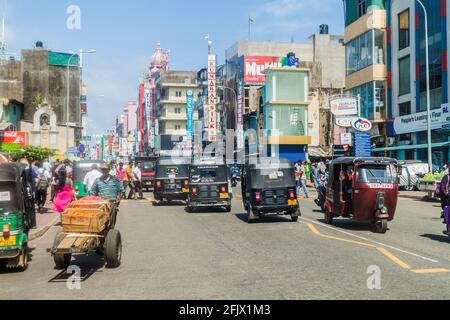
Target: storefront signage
x: 344, y: 106
x: 417, y: 122
x: 346, y: 138
x: 445, y: 117
x: 212, y: 125
x: 345, y: 122
x: 362, y: 124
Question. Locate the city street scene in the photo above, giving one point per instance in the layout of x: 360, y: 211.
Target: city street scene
x: 224, y: 150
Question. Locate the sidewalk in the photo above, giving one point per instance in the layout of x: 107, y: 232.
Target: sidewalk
x: 44, y: 222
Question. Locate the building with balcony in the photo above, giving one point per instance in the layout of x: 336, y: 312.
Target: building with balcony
x: 365, y: 51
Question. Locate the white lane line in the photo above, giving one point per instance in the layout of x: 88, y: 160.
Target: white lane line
x: 369, y: 240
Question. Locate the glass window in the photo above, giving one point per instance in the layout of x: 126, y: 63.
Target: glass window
x: 403, y: 30
x: 380, y: 97
x: 360, y: 52
x: 378, y: 53
x: 361, y: 8
x: 404, y: 108
x: 404, y: 77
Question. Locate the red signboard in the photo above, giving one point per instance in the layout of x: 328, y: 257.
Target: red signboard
x: 15, y: 137
x: 255, y: 65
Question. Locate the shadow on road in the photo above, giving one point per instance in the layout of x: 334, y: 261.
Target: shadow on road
x: 265, y: 219
x: 207, y: 210
x: 169, y: 204
x: 89, y: 265
x: 437, y: 237
x: 351, y: 225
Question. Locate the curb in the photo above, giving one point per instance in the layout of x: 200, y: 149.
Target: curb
x: 43, y: 230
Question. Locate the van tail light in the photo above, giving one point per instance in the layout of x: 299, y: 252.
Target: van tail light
x: 291, y: 195
x: 194, y: 191
x: 258, y: 196
x: 158, y: 184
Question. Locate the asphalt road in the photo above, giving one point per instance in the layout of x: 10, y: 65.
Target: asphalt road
x: 171, y: 254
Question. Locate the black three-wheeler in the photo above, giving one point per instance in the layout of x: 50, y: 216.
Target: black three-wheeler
x: 269, y: 187
x: 209, y: 185
x: 172, y: 179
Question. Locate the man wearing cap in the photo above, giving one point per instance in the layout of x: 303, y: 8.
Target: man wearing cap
x: 107, y: 187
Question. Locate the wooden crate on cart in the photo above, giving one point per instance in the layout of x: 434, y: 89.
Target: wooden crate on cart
x: 86, y: 217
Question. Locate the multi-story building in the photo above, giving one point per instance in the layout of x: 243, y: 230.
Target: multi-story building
x: 366, y: 78
x: 324, y: 55
x: 171, y: 92
x: 406, y: 73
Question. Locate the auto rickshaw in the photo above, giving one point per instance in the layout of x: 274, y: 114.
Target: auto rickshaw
x: 148, y: 172
x: 16, y: 211
x: 268, y: 187
x: 209, y: 185
x: 80, y: 169
x: 365, y: 189
x: 172, y: 179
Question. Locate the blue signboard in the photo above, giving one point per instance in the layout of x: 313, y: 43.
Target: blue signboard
x: 362, y: 144
x: 190, y: 115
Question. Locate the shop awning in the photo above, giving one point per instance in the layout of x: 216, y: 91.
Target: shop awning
x: 412, y: 147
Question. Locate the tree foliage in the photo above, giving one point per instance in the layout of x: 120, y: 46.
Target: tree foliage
x: 33, y: 153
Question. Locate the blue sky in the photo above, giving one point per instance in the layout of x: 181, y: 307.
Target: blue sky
x: 125, y: 33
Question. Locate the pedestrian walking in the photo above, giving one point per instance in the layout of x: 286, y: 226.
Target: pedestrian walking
x: 42, y: 184
x: 91, y: 176
x: 303, y: 179
x: 137, y: 171
x: 64, y: 192
x: 129, y: 181
x: 298, y: 177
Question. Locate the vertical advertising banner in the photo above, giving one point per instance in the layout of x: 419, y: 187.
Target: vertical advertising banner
x: 240, y: 116
x: 147, y: 114
x: 190, y: 115
x: 212, y: 125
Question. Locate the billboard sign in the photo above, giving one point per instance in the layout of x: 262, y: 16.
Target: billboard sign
x: 240, y: 116
x: 13, y: 140
x: 255, y: 65
x: 344, y: 106
x: 345, y: 122
x: 190, y: 115
x: 445, y: 117
x: 212, y: 123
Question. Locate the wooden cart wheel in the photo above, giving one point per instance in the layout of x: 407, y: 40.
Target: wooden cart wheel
x: 113, y: 249
x: 381, y: 226
x: 62, y: 261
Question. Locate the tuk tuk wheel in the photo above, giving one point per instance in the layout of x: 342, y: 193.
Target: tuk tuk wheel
x: 328, y: 217
x: 294, y: 218
x: 23, y: 261
x: 113, y: 249
x: 228, y: 209
x: 62, y: 261
x: 381, y: 226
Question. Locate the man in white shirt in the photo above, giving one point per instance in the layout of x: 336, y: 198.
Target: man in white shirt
x: 137, y: 177
x: 91, y: 176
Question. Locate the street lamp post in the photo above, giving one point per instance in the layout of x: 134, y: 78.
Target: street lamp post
x: 68, y: 95
x: 427, y: 61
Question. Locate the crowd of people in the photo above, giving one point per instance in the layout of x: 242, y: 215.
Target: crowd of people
x: 310, y: 172
x: 56, y: 180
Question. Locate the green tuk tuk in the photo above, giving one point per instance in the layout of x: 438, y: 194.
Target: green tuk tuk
x: 16, y: 210
x: 80, y: 169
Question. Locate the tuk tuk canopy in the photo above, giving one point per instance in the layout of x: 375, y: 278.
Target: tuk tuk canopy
x: 12, y: 176
x: 168, y: 166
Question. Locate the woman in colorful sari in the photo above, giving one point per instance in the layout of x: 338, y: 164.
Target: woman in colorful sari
x: 64, y: 192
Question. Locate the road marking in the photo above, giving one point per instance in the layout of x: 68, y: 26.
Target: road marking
x: 350, y: 241
x: 370, y: 241
x: 393, y: 258
x: 313, y: 229
x: 423, y: 271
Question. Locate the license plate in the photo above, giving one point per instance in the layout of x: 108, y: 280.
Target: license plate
x: 224, y: 196
x: 172, y: 176
x: 186, y: 190
x: 148, y: 183
x: 292, y: 202
x: 5, y: 242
